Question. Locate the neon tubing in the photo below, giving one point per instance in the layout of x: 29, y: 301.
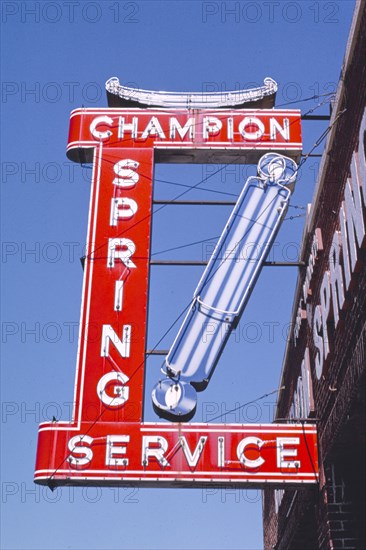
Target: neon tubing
x: 225, y: 287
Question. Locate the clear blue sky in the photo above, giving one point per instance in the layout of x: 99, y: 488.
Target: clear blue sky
x: 56, y: 57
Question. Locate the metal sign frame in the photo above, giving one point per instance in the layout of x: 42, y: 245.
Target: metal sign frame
x: 107, y: 442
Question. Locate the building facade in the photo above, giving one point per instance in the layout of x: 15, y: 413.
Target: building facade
x: 324, y: 366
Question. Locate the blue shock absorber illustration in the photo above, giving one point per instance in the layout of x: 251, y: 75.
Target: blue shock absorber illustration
x: 225, y: 287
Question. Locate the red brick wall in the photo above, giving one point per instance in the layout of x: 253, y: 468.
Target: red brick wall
x: 332, y: 515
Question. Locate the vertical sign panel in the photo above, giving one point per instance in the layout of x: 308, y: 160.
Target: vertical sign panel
x: 110, y: 377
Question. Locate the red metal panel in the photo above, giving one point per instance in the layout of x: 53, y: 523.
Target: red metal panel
x: 99, y: 291
x: 151, y: 454
x: 228, y: 131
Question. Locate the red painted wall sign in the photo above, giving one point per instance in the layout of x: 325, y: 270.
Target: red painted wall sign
x: 107, y: 441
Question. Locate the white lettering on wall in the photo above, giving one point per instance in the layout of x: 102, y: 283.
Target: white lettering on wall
x: 318, y: 342
x: 346, y: 265
x: 354, y: 218
x: 336, y: 279
x: 343, y: 255
x: 361, y: 158
x: 307, y: 386
x: 325, y: 310
x: 278, y: 496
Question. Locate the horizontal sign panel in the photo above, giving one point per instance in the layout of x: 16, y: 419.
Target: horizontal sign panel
x: 112, y: 453
x: 184, y: 135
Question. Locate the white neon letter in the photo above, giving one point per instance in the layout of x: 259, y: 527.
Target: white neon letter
x: 121, y: 249
x: 192, y: 458
x: 122, y: 208
x: 182, y: 131
x: 251, y: 134
x: 112, y: 450
x: 126, y: 170
x: 75, y: 448
x: 221, y: 452
x: 211, y: 126
x: 156, y: 452
x: 153, y: 129
x: 249, y: 463
x: 230, y: 128
x: 123, y: 127
x: 121, y: 392
x: 275, y: 127
x: 122, y: 346
x: 102, y: 136
x: 118, y: 295
x: 283, y: 453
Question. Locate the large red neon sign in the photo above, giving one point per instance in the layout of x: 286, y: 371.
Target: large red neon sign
x: 184, y: 135
x: 107, y: 441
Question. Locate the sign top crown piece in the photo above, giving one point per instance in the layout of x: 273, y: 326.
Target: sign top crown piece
x: 262, y: 97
